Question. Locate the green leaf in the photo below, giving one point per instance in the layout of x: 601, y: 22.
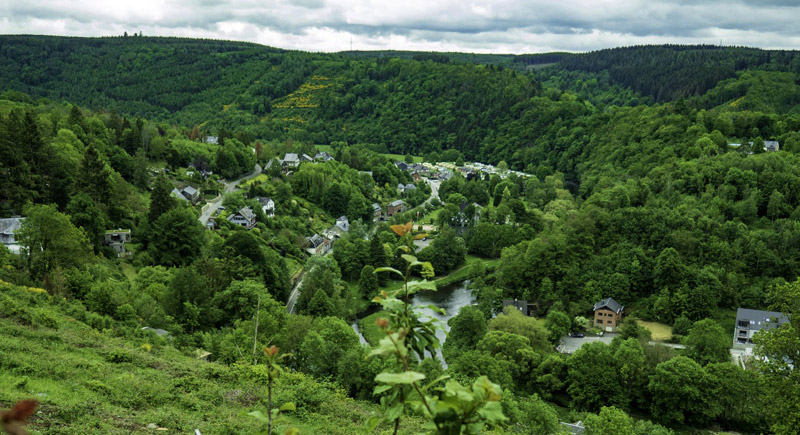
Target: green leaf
x: 388, y: 269
x: 436, y: 381
x: 374, y: 421
x: 381, y: 388
x: 259, y: 416
x: 408, y: 377
x: 492, y: 412
x: 409, y: 259
x: 422, y: 285
x: 288, y: 406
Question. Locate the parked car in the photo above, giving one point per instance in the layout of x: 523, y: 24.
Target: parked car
x: 577, y: 335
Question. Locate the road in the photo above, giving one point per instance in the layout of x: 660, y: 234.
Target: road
x: 230, y: 187
x: 571, y: 344
x: 295, y: 293
x: 434, y: 189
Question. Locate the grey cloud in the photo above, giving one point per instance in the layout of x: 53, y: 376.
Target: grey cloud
x: 456, y: 24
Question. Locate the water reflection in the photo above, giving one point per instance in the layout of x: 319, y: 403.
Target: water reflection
x: 452, y: 298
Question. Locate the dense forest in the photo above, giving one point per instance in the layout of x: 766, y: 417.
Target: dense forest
x: 645, y: 179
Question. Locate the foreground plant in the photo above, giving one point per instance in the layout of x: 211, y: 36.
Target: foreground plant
x: 273, y: 370
x: 12, y: 420
x: 410, y: 337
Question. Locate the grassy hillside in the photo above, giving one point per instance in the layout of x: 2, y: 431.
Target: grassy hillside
x: 115, y: 379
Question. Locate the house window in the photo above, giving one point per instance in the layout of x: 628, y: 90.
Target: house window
x: 610, y: 322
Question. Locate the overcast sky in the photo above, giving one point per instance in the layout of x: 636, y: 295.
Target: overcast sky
x: 503, y: 26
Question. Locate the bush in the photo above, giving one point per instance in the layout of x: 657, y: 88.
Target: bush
x: 43, y: 317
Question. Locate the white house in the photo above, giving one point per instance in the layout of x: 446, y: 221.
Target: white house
x: 244, y: 217
x: 8, y: 228
x: 267, y: 206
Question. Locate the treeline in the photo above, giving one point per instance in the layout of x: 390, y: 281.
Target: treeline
x: 670, y: 72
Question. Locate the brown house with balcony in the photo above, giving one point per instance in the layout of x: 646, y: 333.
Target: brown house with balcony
x: 607, y: 314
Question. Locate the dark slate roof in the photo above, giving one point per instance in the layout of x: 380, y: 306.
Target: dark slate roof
x: 375, y: 206
x: 190, y: 190
x: 396, y: 203
x: 316, y: 240
x: 759, y: 319
x: 410, y: 186
x: 291, y: 157
x: 609, y: 303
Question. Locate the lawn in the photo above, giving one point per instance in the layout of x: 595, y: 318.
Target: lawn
x: 402, y: 158
x: 660, y: 331
x: 372, y: 333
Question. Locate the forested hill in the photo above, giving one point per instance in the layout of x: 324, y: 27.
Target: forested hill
x: 425, y: 103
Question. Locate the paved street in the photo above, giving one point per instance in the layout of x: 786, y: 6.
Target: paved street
x: 230, y: 186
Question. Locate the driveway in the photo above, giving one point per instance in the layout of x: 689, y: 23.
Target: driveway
x: 570, y: 344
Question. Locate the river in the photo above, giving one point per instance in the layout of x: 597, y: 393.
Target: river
x: 451, y: 297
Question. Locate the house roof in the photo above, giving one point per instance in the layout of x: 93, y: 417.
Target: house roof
x: 178, y: 194
x: 118, y: 231
x: 609, y: 303
x: 190, y: 190
x: 10, y: 225
x: 316, y: 240
x: 759, y: 319
x: 265, y: 200
x: 396, y: 203
x: 307, y: 157
x: 375, y: 206
x: 290, y: 157
x: 212, y: 139
x: 410, y: 186
x: 245, y: 212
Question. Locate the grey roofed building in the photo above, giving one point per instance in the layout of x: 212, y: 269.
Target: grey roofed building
x: 290, y: 160
x: 522, y: 306
x: 244, y: 217
x: 325, y: 157
x: 212, y: 139
x: 771, y: 145
x: 306, y: 158
x: 343, y: 223
x: 8, y: 229
x: 749, y: 322
x: 401, y: 165
x: 610, y: 304
x: 178, y: 194
x: 410, y: 186
x: 191, y: 194
x: 396, y: 203
x: 401, y: 187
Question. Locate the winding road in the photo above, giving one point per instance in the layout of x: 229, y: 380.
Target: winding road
x: 230, y: 187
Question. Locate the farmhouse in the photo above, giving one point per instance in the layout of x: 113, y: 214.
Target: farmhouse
x: 117, y: 240
x: 8, y: 228
x: 244, y: 217
x: 395, y: 207
x: 749, y: 322
x: 607, y: 314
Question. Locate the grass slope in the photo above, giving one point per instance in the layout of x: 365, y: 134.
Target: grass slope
x: 99, y: 381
